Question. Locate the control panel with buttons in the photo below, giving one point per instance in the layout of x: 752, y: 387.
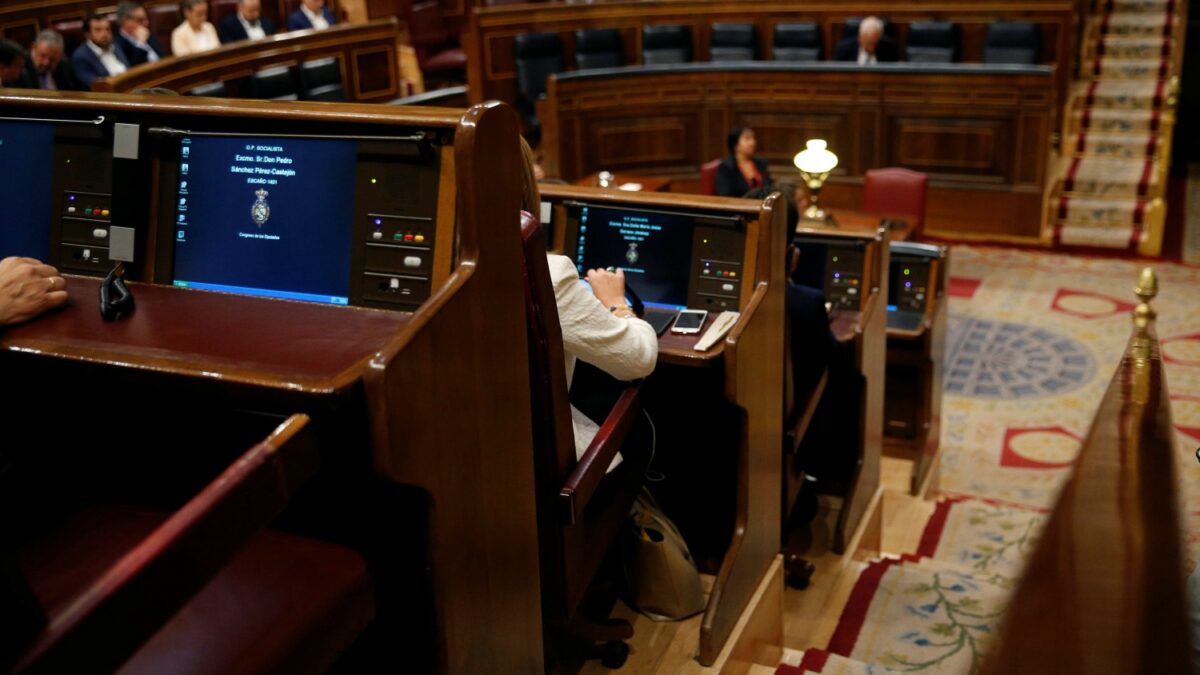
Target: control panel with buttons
x: 83, y: 212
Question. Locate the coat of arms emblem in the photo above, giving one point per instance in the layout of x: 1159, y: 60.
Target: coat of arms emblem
x: 260, y: 212
x: 632, y: 254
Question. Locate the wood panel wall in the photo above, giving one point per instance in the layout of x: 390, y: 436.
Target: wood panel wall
x: 984, y: 138
x: 491, y: 69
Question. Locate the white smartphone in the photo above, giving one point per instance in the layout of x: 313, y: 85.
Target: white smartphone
x: 689, y: 321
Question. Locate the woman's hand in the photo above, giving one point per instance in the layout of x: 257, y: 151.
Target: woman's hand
x: 28, y: 288
x: 609, y: 287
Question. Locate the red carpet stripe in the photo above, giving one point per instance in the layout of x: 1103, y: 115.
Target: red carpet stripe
x: 1091, y: 92
x: 1144, y: 183
x: 937, y: 522
x: 814, y: 660
x: 1158, y: 92
x: 1069, y: 181
x: 1064, y: 204
x: 854, y: 615
x: 785, y: 669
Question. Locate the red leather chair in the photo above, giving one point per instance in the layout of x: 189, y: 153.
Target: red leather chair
x: 708, y: 177
x: 202, y: 590
x: 437, y: 50
x: 581, y: 509
x: 163, y: 20
x: 896, y: 192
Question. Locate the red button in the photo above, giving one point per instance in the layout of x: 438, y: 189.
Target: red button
x: 408, y: 237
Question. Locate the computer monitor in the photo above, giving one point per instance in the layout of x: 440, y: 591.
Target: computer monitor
x: 26, y: 188
x: 265, y: 216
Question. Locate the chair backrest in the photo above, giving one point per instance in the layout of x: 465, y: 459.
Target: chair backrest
x: 321, y: 80
x: 894, y: 191
x: 598, y: 48
x: 163, y: 19
x: 219, y: 9
x: 72, y: 34
x: 732, y: 42
x: 538, y: 55
x: 139, y: 593
x: 275, y: 84
x: 932, y: 42
x: 800, y: 41
x: 708, y: 177
x: 214, y: 89
x: 666, y: 45
x: 1016, y: 42
x: 426, y: 25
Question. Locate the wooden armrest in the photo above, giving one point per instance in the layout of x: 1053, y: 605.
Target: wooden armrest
x: 803, y: 413
x: 577, y: 491
x: 869, y: 308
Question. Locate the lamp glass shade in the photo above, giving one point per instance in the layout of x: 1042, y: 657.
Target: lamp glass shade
x: 815, y: 158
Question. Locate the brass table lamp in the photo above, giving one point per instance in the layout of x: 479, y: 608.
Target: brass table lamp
x: 815, y: 162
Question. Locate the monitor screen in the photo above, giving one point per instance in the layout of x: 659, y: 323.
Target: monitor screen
x: 654, y: 248
x: 265, y: 216
x: 27, y: 165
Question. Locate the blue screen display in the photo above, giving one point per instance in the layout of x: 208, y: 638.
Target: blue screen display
x: 266, y: 216
x: 27, y: 168
x: 653, y: 248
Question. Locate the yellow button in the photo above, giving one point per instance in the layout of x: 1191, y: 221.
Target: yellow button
x: 104, y: 212
x: 419, y: 238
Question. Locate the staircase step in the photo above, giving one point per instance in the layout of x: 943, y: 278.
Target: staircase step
x: 1110, y: 178
x: 1100, y: 212
x: 1098, y: 236
x: 1130, y: 69
x: 1135, y: 6
x: 1125, y: 94
x: 1130, y: 24
x: 827, y: 663
x: 988, y: 541
x: 919, y: 615
x: 1105, y: 121
x: 1133, y: 47
x: 1116, y: 146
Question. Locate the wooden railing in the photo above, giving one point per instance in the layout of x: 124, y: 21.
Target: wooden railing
x: 370, y: 56
x: 1104, y: 591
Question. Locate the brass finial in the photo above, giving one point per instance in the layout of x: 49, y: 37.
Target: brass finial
x: 1146, y: 290
x: 1172, y: 91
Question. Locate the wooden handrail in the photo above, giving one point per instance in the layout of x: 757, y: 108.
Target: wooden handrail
x: 1104, y: 591
x: 369, y: 54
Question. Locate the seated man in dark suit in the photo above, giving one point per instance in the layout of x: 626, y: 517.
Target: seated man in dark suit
x: 97, y: 57
x: 135, y: 40
x: 871, y: 46
x: 45, y: 67
x: 312, y: 14
x: 12, y: 62
x: 247, y: 23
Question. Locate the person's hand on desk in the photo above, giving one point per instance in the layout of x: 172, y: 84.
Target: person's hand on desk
x: 27, y: 288
x: 608, y: 287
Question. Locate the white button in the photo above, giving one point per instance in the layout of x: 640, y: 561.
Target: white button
x: 412, y: 261
x: 377, y: 235
x: 852, y: 291
x: 920, y: 296
x: 727, y: 287
x: 70, y: 209
x: 87, y: 254
x: 394, y: 283
x: 100, y: 233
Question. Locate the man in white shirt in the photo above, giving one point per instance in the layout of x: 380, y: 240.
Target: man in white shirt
x: 247, y: 23
x: 312, y: 14
x: 97, y: 58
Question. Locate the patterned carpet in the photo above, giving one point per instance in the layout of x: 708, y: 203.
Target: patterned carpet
x: 1110, y: 194
x: 1032, y: 342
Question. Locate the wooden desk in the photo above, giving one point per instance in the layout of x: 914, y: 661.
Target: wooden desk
x: 648, y: 183
x: 981, y: 133
x: 421, y: 417
x: 718, y: 413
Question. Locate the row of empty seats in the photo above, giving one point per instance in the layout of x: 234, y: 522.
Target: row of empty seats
x: 318, y: 80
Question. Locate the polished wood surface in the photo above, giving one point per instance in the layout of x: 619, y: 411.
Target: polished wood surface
x: 20, y: 20
x: 368, y: 54
x: 491, y: 68
x: 201, y: 334
x: 748, y: 365
x: 983, y: 135
x: 425, y: 432
x: 1104, y: 591
x: 646, y: 183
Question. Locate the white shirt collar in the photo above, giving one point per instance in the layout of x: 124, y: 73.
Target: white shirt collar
x: 97, y: 50
x: 253, y: 32
x: 317, y: 19
x: 865, y: 58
